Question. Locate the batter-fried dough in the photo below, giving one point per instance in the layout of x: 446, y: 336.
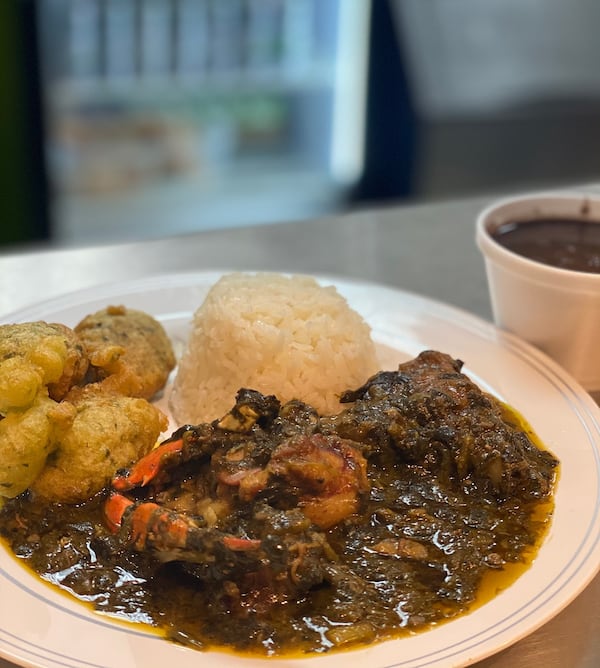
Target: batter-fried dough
x: 108, y: 432
x: 26, y: 440
x: 129, y: 351
x: 34, y: 355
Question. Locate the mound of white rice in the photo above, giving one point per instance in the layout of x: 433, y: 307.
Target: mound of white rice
x: 280, y: 335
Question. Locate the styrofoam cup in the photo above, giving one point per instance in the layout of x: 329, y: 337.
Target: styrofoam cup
x: 557, y: 310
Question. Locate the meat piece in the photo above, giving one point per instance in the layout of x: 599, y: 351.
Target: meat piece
x: 328, y: 474
x: 250, y: 407
x: 433, y: 415
x: 129, y: 351
x: 324, y: 476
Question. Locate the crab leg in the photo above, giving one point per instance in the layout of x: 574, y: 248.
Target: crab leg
x: 146, y: 469
x: 170, y: 534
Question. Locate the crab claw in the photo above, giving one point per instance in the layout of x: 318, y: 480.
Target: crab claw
x: 114, y: 509
x: 147, y: 468
x: 170, y: 534
x: 147, y: 522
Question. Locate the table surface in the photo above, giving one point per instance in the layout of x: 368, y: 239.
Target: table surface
x: 428, y: 249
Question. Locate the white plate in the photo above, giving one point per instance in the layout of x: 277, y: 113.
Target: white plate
x: 45, y: 628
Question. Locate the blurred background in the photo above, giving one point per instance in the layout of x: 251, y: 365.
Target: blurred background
x: 132, y: 119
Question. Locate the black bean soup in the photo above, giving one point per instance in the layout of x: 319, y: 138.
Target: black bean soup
x: 560, y: 242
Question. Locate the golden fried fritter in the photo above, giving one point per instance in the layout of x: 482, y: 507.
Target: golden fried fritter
x: 26, y: 440
x: 108, y: 432
x: 69, y: 421
x: 39, y: 363
x: 34, y: 355
x: 129, y: 351
x: 76, y: 363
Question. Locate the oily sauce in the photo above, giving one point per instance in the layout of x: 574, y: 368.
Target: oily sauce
x: 68, y: 547
x: 559, y: 242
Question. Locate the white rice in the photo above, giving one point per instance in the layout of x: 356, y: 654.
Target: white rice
x: 280, y: 335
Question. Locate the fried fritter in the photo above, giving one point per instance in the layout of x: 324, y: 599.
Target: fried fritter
x: 39, y: 363
x: 26, y: 440
x: 69, y: 420
x: 129, y: 351
x: 108, y: 432
x: 34, y: 355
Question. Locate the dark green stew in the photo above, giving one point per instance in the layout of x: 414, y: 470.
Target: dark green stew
x: 276, y: 531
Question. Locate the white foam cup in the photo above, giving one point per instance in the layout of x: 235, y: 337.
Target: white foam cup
x: 555, y: 309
